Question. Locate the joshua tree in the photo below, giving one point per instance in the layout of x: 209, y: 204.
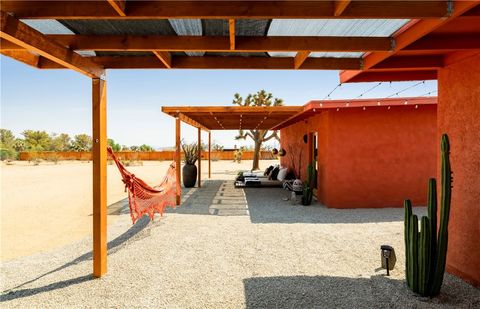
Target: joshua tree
x: 261, y: 98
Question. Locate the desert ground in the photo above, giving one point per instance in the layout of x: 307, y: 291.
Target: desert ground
x: 222, y: 248
x: 48, y: 206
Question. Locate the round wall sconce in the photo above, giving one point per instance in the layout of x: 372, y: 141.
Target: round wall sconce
x: 275, y: 151
x: 305, y: 138
x: 282, y: 152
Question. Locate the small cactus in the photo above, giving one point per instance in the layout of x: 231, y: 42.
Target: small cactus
x: 308, y: 186
x: 426, y: 251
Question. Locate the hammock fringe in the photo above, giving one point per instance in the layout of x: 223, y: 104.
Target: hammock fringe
x: 144, y: 199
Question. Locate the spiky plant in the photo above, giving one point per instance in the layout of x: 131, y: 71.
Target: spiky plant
x: 190, y: 152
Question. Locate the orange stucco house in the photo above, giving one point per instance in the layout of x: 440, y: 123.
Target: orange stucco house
x: 367, y: 153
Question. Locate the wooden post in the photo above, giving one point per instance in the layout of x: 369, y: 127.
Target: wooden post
x: 199, y: 157
x: 178, y: 155
x: 99, y: 151
x: 209, y: 155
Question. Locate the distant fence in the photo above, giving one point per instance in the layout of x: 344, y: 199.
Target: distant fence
x: 137, y: 155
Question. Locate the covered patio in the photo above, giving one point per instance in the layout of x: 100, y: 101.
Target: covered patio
x: 210, y: 118
x: 368, y: 40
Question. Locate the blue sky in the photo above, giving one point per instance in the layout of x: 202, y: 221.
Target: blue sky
x: 60, y: 100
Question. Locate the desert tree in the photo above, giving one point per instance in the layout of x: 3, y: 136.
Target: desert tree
x: 261, y: 98
x: 82, y: 142
x: 37, y: 140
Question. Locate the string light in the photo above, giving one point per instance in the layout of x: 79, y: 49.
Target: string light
x: 328, y: 95
x: 403, y: 90
x: 368, y: 90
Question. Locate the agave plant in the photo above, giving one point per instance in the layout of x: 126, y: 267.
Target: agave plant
x: 190, y: 153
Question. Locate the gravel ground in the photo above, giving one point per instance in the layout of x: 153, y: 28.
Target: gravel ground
x: 232, y: 248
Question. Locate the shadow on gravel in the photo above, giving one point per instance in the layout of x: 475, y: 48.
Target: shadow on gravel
x: 342, y: 292
x: 267, y: 206
x: 197, y: 201
x: 113, y: 246
x: 313, y: 292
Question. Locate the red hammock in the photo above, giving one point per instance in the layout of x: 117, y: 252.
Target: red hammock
x: 144, y: 199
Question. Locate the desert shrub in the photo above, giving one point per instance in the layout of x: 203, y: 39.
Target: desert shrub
x: 54, y: 158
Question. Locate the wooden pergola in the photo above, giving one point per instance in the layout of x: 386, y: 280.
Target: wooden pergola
x: 122, y: 34
x: 210, y: 118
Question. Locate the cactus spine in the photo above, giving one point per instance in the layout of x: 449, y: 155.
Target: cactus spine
x: 426, y: 251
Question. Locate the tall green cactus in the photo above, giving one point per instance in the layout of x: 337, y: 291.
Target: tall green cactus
x: 308, y: 186
x: 426, y: 251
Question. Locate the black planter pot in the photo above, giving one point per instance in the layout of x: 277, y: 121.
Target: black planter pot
x: 189, y: 173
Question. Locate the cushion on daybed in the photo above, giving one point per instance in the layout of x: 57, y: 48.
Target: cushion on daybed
x: 282, y: 174
x: 274, y: 173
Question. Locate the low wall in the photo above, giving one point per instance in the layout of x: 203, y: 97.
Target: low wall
x: 137, y: 155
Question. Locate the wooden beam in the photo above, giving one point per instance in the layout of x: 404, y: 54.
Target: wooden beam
x: 340, y: 6
x: 414, y: 33
x: 118, y: 6
x: 231, y: 25
x: 23, y: 56
x: 445, y: 43
x: 222, y: 44
x: 199, y: 149
x: 225, y: 9
x: 209, y: 154
x: 164, y: 57
x: 22, y: 35
x: 399, y: 75
x: 6, y: 45
x: 300, y: 58
x: 431, y: 62
x: 249, y: 110
x: 99, y: 150
x: 192, y: 122
x: 178, y: 155
x: 234, y: 62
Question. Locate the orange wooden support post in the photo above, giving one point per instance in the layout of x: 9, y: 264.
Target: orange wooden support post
x: 178, y: 155
x: 209, y: 155
x: 99, y: 152
x: 199, y: 143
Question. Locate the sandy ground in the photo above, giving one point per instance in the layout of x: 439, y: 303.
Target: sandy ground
x: 48, y: 206
x: 232, y: 248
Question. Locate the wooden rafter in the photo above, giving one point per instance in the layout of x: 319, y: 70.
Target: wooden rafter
x: 410, y: 35
x: 118, y: 6
x: 23, y: 56
x: 225, y: 9
x: 237, y: 62
x: 389, y: 76
x: 340, y: 6
x: 164, y: 57
x: 22, y: 35
x: 192, y: 122
x: 227, y: 117
x: 445, y: 43
x: 6, y: 45
x: 300, y: 58
x: 430, y: 62
x: 231, y: 27
x: 222, y: 44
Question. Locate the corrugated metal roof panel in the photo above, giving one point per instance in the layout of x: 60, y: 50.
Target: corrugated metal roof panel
x: 251, y: 27
x: 333, y: 27
x: 119, y: 27
x: 47, y: 26
x: 188, y: 27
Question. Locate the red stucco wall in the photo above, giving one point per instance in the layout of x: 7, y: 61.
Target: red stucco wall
x: 372, y: 158
x: 459, y: 117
